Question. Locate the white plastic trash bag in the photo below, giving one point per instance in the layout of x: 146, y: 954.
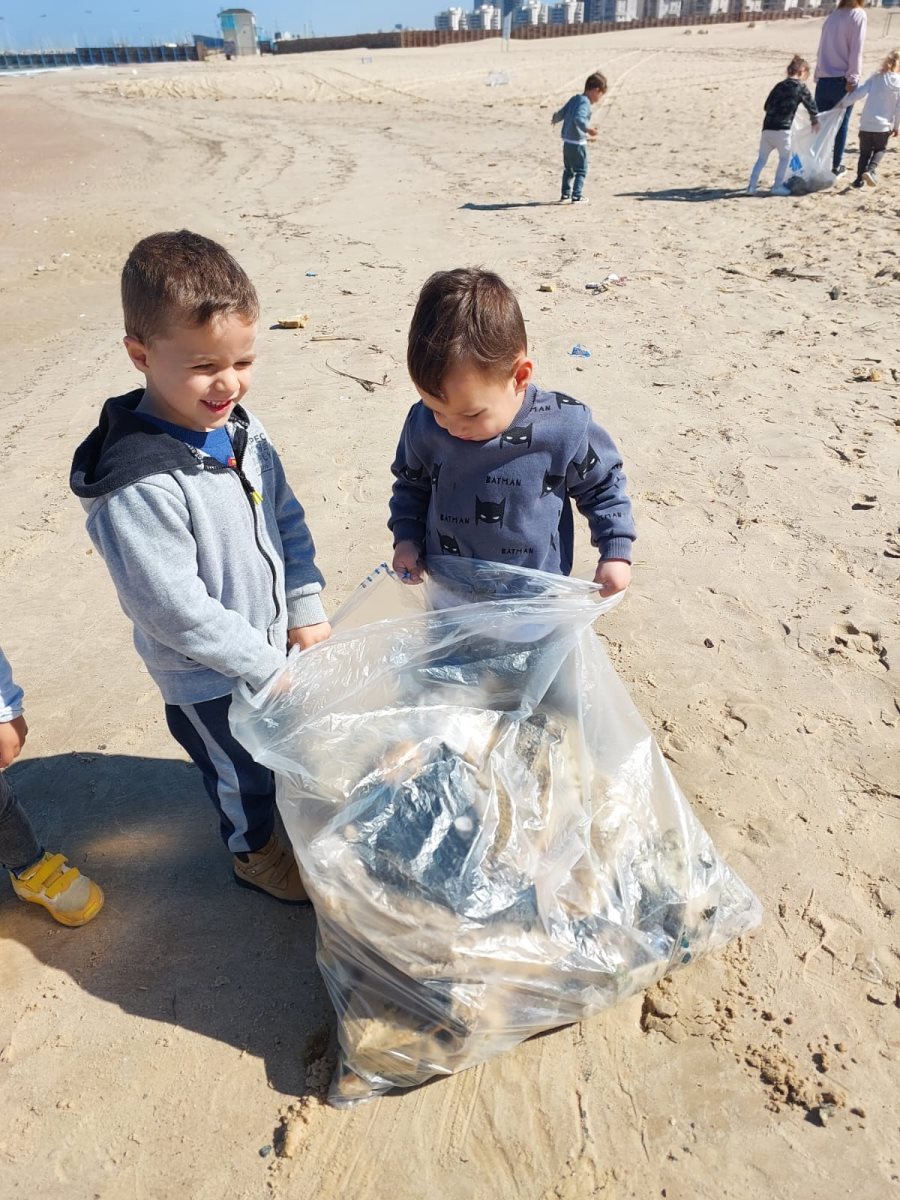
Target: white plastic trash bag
x: 812, y: 154
x: 492, y: 839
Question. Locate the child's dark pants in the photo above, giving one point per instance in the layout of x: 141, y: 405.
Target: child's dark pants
x: 242, y: 791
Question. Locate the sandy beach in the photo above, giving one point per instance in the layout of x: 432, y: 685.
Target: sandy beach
x: 749, y: 369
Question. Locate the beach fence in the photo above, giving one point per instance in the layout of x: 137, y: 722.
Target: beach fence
x: 421, y: 38
x: 99, y: 56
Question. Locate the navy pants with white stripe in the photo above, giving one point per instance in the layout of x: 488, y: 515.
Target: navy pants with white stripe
x: 242, y: 791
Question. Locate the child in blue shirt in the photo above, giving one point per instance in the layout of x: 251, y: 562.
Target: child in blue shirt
x: 576, y: 132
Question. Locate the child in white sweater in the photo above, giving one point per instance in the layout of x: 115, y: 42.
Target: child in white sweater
x: 880, y: 118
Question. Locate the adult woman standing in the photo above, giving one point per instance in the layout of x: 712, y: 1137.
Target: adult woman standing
x: 839, y: 64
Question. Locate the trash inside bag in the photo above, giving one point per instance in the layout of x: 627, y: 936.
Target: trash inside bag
x: 812, y: 154
x: 492, y: 840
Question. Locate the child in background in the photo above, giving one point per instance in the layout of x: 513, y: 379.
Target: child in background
x: 488, y: 464
x: 781, y: 106
x: 206, y: 544
x: 576, y: 131
x: 36, y: 876
x: 880, y: 118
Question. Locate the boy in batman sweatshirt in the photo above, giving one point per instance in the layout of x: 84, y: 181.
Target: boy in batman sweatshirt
x: 488, y: 464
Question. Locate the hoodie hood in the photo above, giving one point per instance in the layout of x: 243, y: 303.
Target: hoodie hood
x: 125, y: 448
x: 892, y: 79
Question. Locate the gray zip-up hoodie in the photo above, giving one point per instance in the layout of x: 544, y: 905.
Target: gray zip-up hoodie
x: 212, y: 563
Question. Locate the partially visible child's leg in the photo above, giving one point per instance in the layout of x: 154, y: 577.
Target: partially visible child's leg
x: 40, y: 878
x: 783, y: 146
x: 19, y: 847
x: 765, y: 149
x: 568, y: 174
x: 581, y: 166
x: 877, y: 144
x: 244, y: 795
x: 865, y: 153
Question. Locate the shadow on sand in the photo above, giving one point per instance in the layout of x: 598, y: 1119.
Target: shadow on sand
x: 472, y: 207
x: 687, y: 195
x: 177, y: 941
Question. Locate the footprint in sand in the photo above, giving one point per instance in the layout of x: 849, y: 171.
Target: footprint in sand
x: 864, y: 501
x: 865, y: 646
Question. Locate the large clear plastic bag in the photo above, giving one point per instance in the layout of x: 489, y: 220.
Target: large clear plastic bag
x: 812, y: 154
x: 492, y: 840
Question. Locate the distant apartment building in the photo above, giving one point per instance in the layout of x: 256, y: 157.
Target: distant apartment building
x: 704, y: 8
x: 486, y: 16
x: 533, y: 12
x: 568, y: 13
x: 452, y: 18
x: 239, y: 31
x: 661, y: 10
x: 614, y: 11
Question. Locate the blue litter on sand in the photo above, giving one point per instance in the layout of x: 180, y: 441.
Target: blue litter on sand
x: 579, y: 352
x: 310, y: 274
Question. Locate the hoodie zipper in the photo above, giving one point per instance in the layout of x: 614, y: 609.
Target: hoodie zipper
x: 239, y: 442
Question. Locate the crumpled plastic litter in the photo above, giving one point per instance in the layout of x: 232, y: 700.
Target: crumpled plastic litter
x: 491, y: 838
x: 579, y: 351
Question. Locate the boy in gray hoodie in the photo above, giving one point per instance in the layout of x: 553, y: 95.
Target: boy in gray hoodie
x: 576, y: 132
x: 207, y: 546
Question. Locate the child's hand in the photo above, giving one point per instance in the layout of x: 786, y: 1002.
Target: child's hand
x: 894, y: 132
x: 305, y: 636
x: 12, y: 738
x: 408, y: 562
x: 613, y: 575
x: 592, y: 131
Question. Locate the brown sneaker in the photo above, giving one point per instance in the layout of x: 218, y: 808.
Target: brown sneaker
x: 273, y: 870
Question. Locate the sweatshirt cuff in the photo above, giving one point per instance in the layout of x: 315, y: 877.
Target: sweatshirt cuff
x: 405, y: 530
x: 265, y: 668
x: 305, y: 610
x: 616, y: 548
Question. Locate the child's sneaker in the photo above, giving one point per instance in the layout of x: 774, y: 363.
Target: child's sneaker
x: 272, y: 870
x: 580, y: 200
x: 869, y: 177
x: 858, y: 182
x: 68, y: 896
x: 564, y: 199
x: 781, y: 190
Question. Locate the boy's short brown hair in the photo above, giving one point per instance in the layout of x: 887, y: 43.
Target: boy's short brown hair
x: 595, y: 81
x: 182, y: 278
x: 464, y: 316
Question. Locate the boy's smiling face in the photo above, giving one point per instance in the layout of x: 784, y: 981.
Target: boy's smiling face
x: 196, y: 375
x: 476, y: 406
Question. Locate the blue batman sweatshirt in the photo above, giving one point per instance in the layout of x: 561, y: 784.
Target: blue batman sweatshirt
x: 509, y: 499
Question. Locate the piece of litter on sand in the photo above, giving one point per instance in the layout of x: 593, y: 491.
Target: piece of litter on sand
x: 547, y: 287
x: 579, y: 352
x: 611, y: 280
x: 334, y: 337
x: 298, y: 322
x: 369, y: 384
x: 497, y: 78
x: 311, y: 274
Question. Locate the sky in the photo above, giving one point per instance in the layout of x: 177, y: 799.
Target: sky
x: 63, y: 24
